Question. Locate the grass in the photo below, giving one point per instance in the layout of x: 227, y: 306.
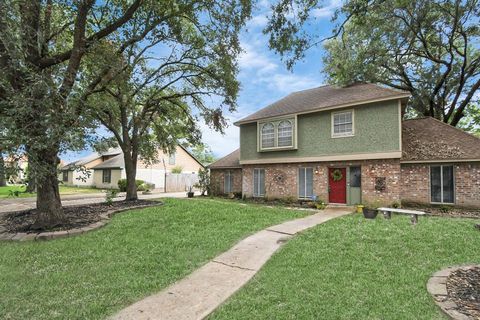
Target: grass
x: 65, y: 190
x: 138, y: 253
x: 352, y: 268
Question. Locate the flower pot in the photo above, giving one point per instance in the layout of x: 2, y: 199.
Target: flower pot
x: 370, y: 213
x: 190, y: 194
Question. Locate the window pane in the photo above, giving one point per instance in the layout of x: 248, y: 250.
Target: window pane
x: 171, y: 159
x: 258, y: 182
x: 343, y: 123
x: 285, y: 134
x: 436, y: 184
x: 268, y: 135
x: 355, y: 177
x: 301, y: 182
x: 262, y: 182
x: 309, y: 182
x: 448, y: 184
x: 226, y: 181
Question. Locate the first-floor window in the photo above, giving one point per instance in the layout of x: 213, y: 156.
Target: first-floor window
x: 228, y: 182
x: 258, y: 182
x: 107, y: 176
x: 442, y: 184
x: 65, y: 176
x: 305, y: 183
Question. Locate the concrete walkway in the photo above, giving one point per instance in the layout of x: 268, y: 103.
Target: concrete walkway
x: 17, y: 204
x: 197, y: 295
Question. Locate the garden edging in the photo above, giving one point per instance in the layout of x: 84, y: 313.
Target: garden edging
x: 39, y: 236
x: 437, y: 287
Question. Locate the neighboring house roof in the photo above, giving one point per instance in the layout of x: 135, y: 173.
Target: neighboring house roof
x: 116, y: 162
x: 430, y: 140
x: 231, y: 160
x: 91, y: 157
x: 325, y: 97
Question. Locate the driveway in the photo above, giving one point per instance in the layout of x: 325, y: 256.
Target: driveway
x: 16, y: 204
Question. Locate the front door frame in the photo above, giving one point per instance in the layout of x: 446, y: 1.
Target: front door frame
x: 346, y: 182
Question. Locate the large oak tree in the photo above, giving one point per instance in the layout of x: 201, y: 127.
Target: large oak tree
x: 427, y: 47
x: 48, y: 69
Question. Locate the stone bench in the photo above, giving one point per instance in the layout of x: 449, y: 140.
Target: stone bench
x: 387, y: 213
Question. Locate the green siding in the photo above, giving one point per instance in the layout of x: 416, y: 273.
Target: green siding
x: 376, y: 130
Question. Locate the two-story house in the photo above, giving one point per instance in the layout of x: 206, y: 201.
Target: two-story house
x: 350, y: 145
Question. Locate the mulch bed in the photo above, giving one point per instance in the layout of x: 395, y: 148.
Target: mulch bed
x: 445, y: 211
x: 77, y: 216
x: 463, y: 288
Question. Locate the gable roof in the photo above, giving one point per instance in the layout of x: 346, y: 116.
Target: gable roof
x: 91, y: 157
x: 430, y: 140
x: 231, y: 161
x: 116, y: 162
x: 325, y: 97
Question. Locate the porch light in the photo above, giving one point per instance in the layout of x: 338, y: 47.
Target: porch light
x: 316, y: 170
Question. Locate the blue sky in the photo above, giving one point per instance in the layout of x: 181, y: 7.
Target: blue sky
x: 263, y: 76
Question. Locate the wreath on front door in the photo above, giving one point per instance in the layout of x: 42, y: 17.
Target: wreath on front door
x: 337, y: 175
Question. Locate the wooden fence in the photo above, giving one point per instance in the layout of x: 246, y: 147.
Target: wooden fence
x: 177, y: 182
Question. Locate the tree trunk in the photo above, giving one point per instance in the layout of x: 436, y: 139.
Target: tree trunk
x: 131, y: 173
x: 49, y: 205
x: 3, y: 180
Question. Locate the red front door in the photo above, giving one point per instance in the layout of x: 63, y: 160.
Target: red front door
x: 337, y: 182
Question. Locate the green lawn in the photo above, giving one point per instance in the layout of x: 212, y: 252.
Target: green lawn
x: 5, y: 191
x: 138, y: 253
x: 352, y: 268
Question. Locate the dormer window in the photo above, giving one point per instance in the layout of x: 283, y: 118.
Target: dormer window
x: 268, y: 135
x: 342, y: 124
x: 285, y: 133
x: 277, y: 134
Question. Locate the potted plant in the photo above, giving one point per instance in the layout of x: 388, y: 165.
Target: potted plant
x: 190, y: 192
x: 370, y: 210
x: 360, y: 208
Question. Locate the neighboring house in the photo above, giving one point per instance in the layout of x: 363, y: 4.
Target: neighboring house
x: 16, y: 169
x: 349, y: 145
x: 107, y: 168
x: 72, y: 175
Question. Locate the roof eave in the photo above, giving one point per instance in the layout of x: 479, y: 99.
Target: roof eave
x: 344, y: 105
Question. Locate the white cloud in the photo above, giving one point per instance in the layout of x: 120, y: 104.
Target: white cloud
x: 222, y: 145
x: 258, y: 21
x: 328, y: 10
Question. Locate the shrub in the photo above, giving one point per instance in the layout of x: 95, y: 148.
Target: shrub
x: 177, y: 169
x: 110, y: 195
x: 122, y: 184
x: 203, y: 182
x: 396, y: 205
x: 445, y: 209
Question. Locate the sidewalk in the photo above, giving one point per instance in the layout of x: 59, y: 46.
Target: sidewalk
x: 17, y: 204
x: 200, y: 293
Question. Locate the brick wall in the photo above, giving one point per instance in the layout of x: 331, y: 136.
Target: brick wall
x: 416, y: 183
x: 467, y: 184
x: 217, y: 180
x: 281, y: 179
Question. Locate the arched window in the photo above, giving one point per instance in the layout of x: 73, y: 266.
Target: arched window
x: 268, y: 135
x: 285, y: 137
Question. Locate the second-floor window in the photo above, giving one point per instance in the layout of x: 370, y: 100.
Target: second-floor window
x: 342, y: 124
x: 268, y: 135
x: 171, y: 159
x: 285, y: 133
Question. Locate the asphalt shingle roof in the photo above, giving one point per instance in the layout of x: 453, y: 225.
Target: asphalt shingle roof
x: 428, y: 139
x: 231, y: 160
x: 115, y: 162
x: 325, y: 97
